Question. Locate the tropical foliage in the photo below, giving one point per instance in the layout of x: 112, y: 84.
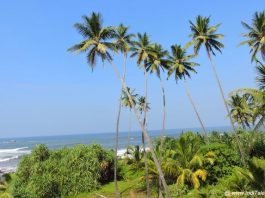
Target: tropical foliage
x: 188, y: 164
x: 62, y: 173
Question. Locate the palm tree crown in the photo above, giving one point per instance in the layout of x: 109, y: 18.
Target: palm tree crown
x: 123, y: 39
x: 180, y: 64
x: 261, y: 76
x: 142, y: 103
x: 95, y: 41
x: 126, y: 102
x: 240, y: 110
x: 204, y: 34
x: 157, y: 60
x: 142, y: 48
x: 188, y: 160
x: 256, y: 35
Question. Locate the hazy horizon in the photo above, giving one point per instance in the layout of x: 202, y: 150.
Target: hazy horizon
x: 194, y: 129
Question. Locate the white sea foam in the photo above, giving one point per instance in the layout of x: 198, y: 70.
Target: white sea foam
x: 8, y: 158
x: 9, y: 155
x: 21, y: 150
x: 121, y: 152
x: 10, y: 169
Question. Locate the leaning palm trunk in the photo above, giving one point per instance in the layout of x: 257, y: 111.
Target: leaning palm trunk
x: 196, y: 111
x: 226, y: 107
x: 162, y: 134
x: 129, y: 129
x: 143, y: 139
x: 117, y: 135
x: 147, y: 137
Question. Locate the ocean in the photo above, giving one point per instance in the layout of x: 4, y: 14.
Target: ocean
x: 12, y: 149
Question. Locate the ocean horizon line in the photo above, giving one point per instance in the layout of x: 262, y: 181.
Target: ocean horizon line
x: 197, y: 129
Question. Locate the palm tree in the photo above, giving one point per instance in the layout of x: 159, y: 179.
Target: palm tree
x: 96, y: 45
x: 143, y: 106
x: 256, y: 35
x: 260, y: 110
x: 122, y: 43
x: 240, y: 110
x: 204, y: 34
x: 253, y: 177
x: 142, y: 103
x: 142, y: 48
x: 126, y: 102
x: 155, y: 64
x: 261, y: 76
x: 181, y: 66
x: 184, y: 160
x: 257, y: 98
x: 191, y: 160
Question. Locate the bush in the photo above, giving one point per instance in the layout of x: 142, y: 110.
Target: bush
x: 258, y: 149
x: 225, y: 160
x: 62, y: 173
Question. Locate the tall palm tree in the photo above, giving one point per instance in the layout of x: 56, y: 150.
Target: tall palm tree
x: 96, y: 44
x: 157, y: 61
x: 204, y: 34
x: 143, y: 106
x: 256, y: 35
x: 142, y: 49
x: 126, y: 102
x: 240, y: 110
x: 181, y: 66
x: 122, y: 43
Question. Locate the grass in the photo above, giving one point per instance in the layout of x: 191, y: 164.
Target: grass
x: 128, y: 188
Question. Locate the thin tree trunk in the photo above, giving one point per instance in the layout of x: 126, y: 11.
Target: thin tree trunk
x: 226, y: 107
x: 129, y: 129
x: 162, y: 134
x: 147, y: 137
x: 118, y: 195
x: 264, y: 133
x: 143, y: 139
x: 196, y: 111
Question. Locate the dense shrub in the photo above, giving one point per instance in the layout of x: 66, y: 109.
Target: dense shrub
x: 62, y: 173
x: 226, y: 158
x: 258, y: 149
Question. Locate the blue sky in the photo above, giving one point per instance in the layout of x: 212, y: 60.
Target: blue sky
x: 46, y: 91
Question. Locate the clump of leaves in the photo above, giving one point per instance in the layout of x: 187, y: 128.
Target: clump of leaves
x: 66, y: 172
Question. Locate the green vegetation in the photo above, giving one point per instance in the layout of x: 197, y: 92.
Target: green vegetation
x: 61, y: 173
x: 192, y: 165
